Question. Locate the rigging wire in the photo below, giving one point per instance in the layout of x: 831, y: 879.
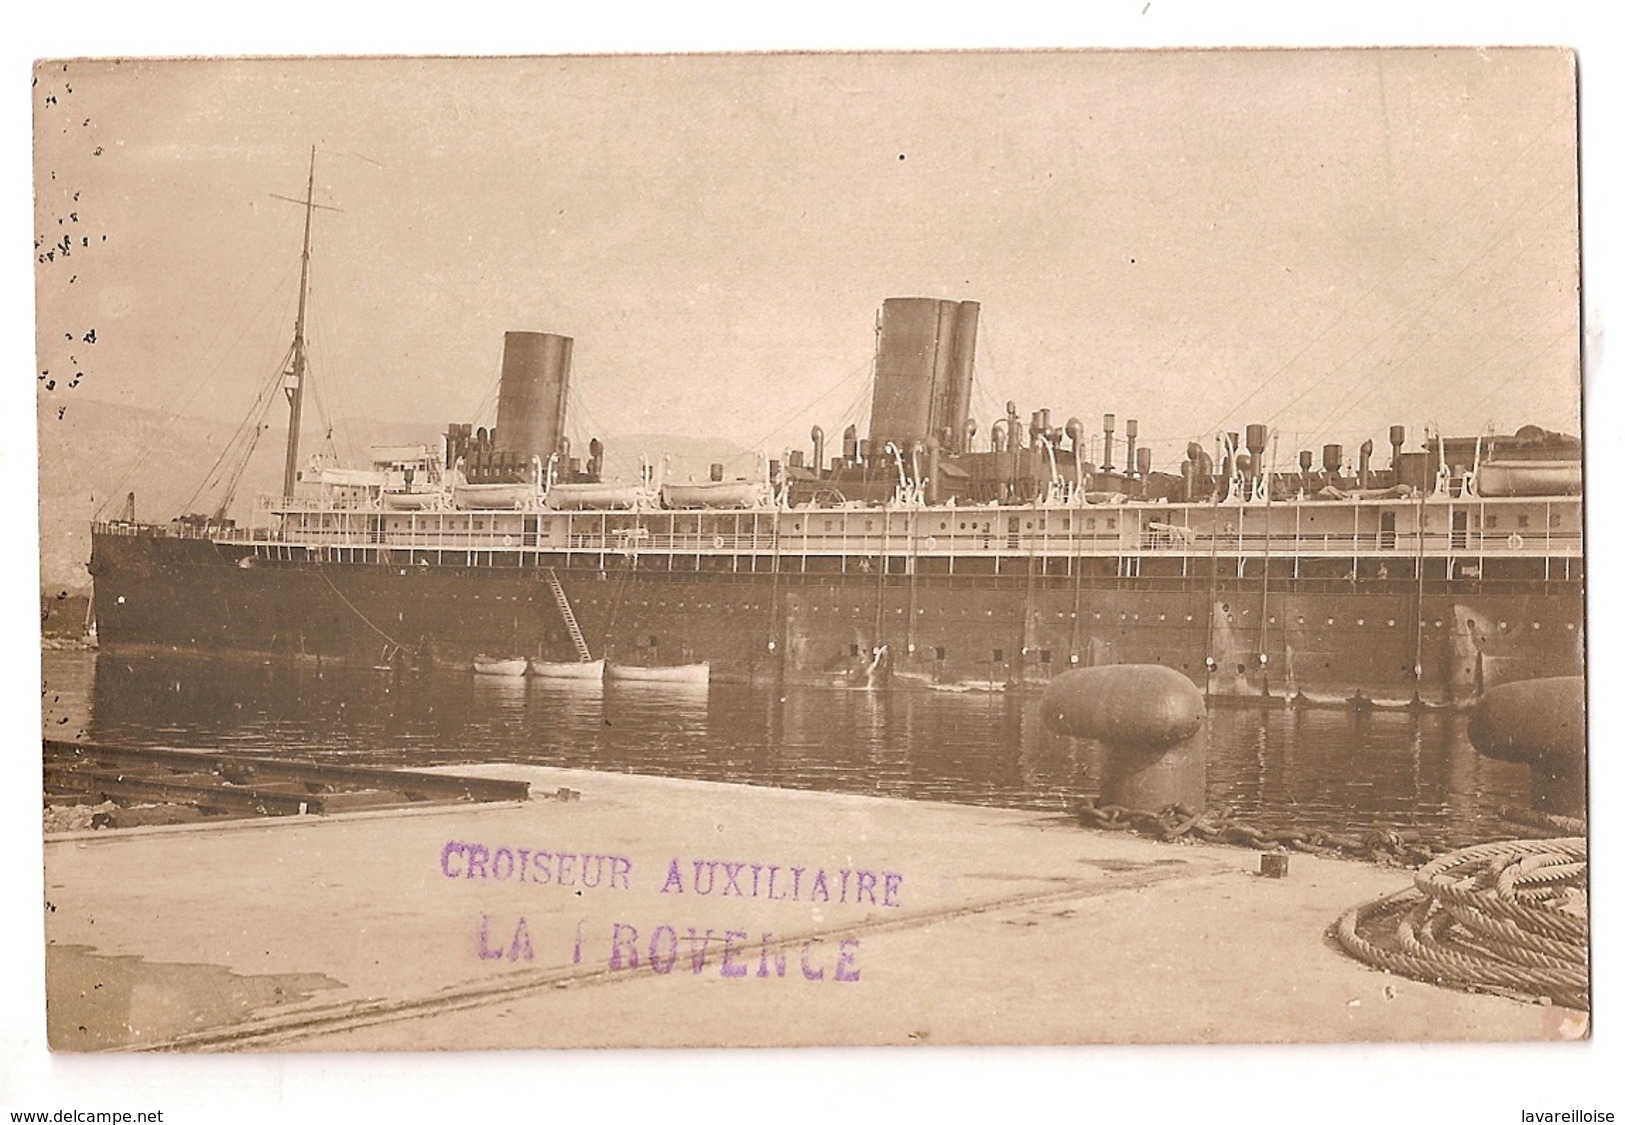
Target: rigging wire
x: 1564, y: 336
x: 1415, y: 322
x: 1419, y: 251
x: 488, y: 397
x: 188, y: 389
x: 338, y: 378
x: 256, y: 416
x: 784, y: 426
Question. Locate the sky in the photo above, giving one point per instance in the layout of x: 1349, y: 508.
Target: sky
x: 191, y: 285
x: 1325, y: 242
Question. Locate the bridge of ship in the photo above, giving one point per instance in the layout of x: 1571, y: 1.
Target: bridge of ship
x: 1513, y: 538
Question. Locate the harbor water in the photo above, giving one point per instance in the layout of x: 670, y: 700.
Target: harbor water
x: 1273, y: 766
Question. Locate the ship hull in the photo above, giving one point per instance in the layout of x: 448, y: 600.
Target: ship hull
x: 1318, y: 639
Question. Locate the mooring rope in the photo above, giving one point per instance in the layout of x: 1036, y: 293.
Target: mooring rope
x: 351, y: 605
x: 1509, y: 916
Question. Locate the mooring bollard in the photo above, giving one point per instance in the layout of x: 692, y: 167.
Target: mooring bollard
x: 1540, y: 723
x: 1150, y: 720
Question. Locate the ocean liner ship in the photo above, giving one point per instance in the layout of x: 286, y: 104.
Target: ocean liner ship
x: 913, y: 554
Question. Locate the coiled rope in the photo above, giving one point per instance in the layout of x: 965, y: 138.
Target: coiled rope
x: 1509, y: 916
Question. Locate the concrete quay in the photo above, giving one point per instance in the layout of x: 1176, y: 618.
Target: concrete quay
x: 661, y: 912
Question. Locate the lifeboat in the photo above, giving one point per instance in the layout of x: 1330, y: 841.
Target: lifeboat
x: 1528, y: 478
x: 335, y: 477
x: 660, y: 674
x: 567, y: 670
x: 567, y: 497
x: 713, y: 494
x: 410, y: 501
x: 489, y: 496
x: 500, y: 666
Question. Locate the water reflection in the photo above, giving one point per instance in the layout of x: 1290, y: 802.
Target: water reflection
x: 1327, y: 769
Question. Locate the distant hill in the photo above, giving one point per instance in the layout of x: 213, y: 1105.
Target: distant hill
x: 99, y: 451
x: 687, y: 458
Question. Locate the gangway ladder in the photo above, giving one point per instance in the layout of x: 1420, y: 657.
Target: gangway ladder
x: 582, y: 651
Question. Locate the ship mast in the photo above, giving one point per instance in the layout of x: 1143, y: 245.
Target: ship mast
x: 293, y: 382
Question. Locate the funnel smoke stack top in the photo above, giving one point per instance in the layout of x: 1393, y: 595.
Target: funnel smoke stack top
x: 923, y: 369
x: 531, y: 400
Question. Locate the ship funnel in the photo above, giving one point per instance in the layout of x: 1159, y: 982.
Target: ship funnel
x: 1110, y: 425
x: 531, y: 398
x: 818, y: 449
x: 924, y: 361
x: 963, y: 367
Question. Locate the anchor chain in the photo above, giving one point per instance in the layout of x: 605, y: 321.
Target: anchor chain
x: 1397, y: 847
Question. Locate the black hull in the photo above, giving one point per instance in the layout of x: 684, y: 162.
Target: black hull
x: 1321, y: 639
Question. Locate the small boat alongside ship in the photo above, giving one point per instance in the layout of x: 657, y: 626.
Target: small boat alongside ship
x: 512, y: 667
x: 591, y: 670
x: 659, y: 674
